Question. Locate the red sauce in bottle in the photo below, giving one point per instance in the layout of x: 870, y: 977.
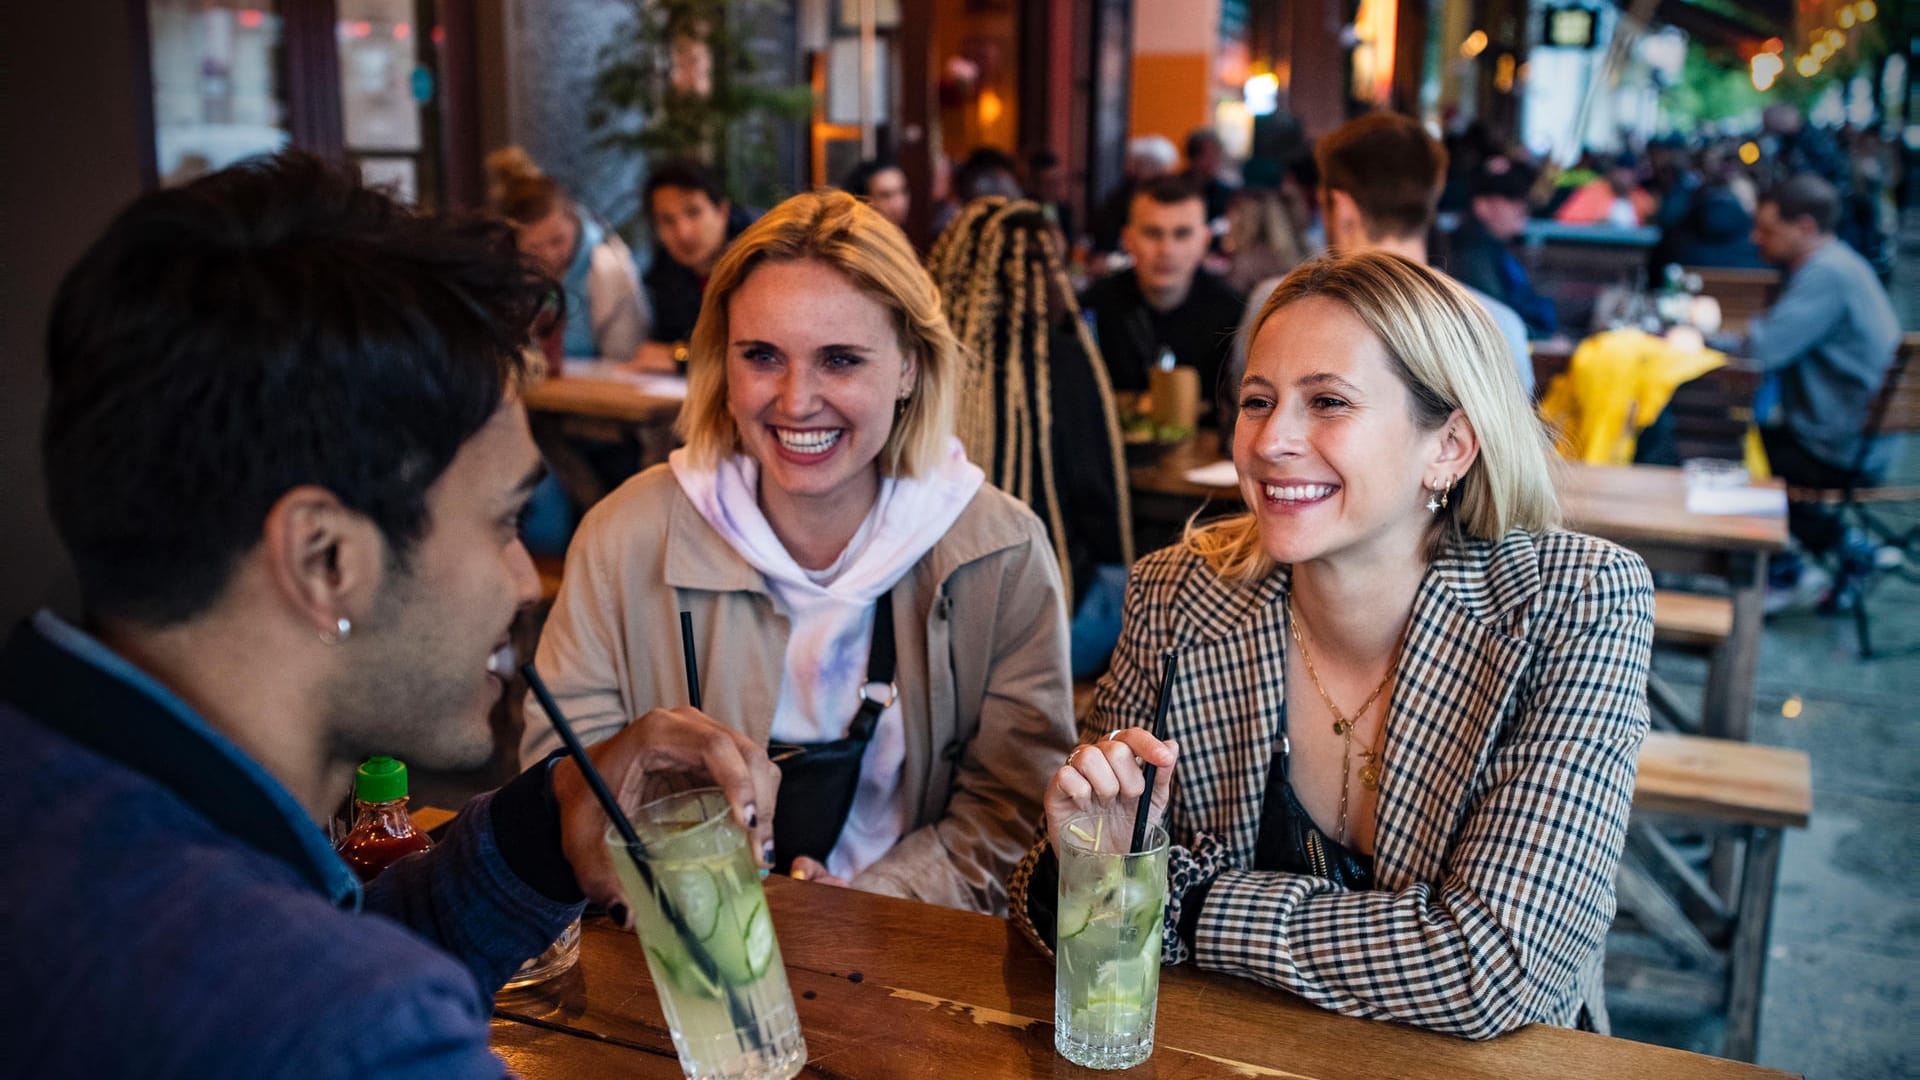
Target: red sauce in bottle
x: 383, y: 832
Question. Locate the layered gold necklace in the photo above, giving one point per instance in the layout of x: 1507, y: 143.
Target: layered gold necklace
x: 1343, y: 724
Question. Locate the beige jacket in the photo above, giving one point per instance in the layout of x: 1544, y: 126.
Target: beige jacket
x: 982, y: 646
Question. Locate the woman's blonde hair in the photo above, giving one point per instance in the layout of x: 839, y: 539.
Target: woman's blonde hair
x: 1447, y: 351
x: 840, y: 232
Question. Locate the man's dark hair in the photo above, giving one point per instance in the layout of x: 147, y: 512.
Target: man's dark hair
x: 859, y: 181
x: 1041, y: 159
x: 987, y: 171
x: 1170, y: 190
x: 687, y: 175
x: 272, y: 325
x: 1807, y: 196
x: 1390, y: 167
x: 1198, y: 140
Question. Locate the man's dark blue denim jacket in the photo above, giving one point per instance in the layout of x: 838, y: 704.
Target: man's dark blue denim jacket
x: 170, y: 910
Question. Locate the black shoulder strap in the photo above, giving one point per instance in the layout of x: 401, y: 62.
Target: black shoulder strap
x: 880, y: 665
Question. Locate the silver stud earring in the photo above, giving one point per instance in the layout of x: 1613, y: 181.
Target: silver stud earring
x: 341, y: 628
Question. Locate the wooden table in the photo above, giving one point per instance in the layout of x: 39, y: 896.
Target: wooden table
x: 597, y: 402
x: 597, y: 393
x: 892, y: 988
x: 1640, y: 507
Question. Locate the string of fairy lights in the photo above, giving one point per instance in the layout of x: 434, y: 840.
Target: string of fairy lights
x: 1823, y: 43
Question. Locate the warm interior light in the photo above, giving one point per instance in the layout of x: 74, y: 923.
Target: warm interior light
x: 1821, y: 50
x: 1790, y: 708
x: 1750, y: 153
x: 1475, y: 44
x: 1262, y: 94
x: 1773, y: 45
x: 1503, y: 74
x: 1836, y: 40
x: 1866, y: 9
x: 251, y: 18
x: 402, y: 31
x: 990, y: 107
x: 1845, y: 18
x: 1766, y: 68
x: 1807, y: 66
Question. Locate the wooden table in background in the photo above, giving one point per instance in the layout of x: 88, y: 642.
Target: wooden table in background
x: 599, y: 405
x: 1640, y: 507
x: 892, y: 988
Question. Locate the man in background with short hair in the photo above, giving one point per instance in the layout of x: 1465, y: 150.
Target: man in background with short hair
x: 1827, y: 342
x: 1165, y: 300
x: 1380, y: 181
x: 693, y: 222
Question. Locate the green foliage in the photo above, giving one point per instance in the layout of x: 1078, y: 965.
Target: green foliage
x: 635, y: 107
x: 1717, y: 84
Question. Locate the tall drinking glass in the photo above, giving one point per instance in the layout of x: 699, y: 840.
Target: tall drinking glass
x: 1107, y: 941
x: 719, y: 974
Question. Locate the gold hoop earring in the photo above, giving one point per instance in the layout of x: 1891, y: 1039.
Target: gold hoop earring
x: 1437, y: 495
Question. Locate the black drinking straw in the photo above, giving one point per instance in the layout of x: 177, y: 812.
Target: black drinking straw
x: 637, y: 851
x: 1159, y: 732
x: 693, y: 665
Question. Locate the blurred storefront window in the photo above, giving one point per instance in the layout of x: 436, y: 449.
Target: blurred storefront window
x: 217, y: 84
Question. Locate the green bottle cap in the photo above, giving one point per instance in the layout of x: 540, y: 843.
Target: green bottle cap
x: 380, y: 779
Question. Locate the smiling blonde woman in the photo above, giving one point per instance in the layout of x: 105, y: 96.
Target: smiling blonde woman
x: 821, y: 497
x: 1400, y: 743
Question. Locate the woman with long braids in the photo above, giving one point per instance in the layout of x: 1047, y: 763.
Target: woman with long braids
x: 1035, y: 407
x: 1405, y: 706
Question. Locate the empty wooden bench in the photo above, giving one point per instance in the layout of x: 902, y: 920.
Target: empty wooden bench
x: 1715, y: 942
x: 1698, y: 622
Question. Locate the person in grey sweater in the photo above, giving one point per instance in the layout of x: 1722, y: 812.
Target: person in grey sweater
x: 1827, y: 341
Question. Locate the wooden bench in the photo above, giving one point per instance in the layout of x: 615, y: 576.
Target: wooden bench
x: 1714, y: 941
x: 1700, y: 623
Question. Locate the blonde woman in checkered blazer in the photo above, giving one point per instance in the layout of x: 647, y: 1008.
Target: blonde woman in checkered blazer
x: 1401, y: 738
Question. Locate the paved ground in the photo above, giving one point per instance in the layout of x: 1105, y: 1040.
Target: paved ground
x: 1844, y: 965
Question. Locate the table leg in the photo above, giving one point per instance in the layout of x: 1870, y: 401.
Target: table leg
x: 1747, y: 959
x: 1728, y: 707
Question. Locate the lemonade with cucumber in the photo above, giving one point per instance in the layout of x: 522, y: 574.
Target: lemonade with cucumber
x: 1107, y: 941
x: 721, y: 983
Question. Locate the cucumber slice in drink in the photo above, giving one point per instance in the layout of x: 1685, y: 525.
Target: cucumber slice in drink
x: 696, y: 893
x: 759, y: 940
x: 1072, y: 918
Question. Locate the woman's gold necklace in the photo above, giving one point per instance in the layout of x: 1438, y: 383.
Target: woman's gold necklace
x: 1343, y: 725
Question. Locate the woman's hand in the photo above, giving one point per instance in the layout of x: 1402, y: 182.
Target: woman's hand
x: 806, y: 868
x: 1106, y: 777
x: 681, y: 744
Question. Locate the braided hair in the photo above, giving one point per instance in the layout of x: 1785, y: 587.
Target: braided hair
x: 1005, y: 288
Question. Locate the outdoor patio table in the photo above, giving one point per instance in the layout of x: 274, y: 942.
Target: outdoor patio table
x: 894, y: 988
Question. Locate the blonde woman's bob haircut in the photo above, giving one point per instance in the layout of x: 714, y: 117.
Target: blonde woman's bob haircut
x: 840, y: 232
x: 1447, y: 351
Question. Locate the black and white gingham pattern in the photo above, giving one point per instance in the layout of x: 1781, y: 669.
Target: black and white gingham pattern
x: 1513, y: 730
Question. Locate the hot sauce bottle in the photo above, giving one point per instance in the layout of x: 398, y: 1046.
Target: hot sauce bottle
x: 382, y: 831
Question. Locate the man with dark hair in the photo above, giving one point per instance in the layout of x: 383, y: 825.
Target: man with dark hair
x: 1380, y: 181
x: 285, y: 450
x: 883, y: 183
x: 1483, y: 255
x: 1827, y: 341
x: 1165, y: 301
x: 686, y: 204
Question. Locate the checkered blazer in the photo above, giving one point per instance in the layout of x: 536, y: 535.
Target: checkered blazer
x: 1511, y: 739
